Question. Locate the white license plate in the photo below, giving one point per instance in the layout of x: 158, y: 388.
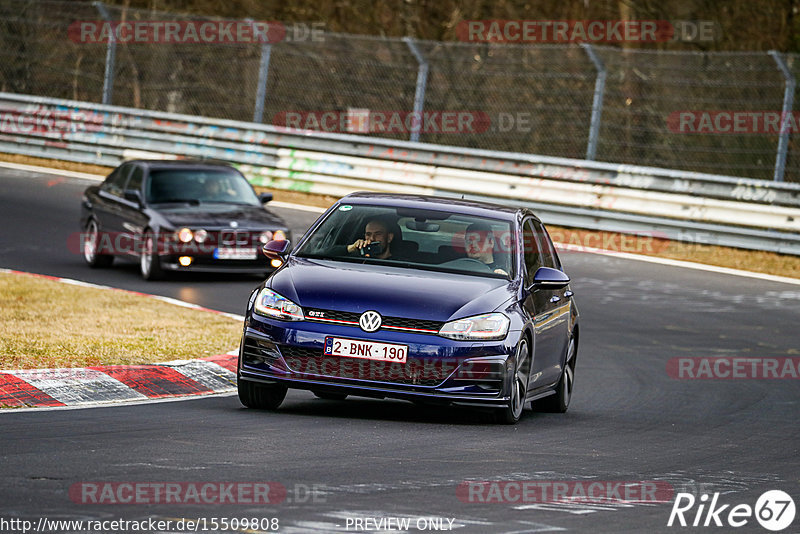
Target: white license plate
x: 368, y: 350
x: 231, y: 253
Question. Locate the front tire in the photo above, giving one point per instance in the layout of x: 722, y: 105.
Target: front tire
x: 559, y: 403
x: 260, y: 396
x: 91, y: 243
x: 149, y: 262
x: 511, y: 414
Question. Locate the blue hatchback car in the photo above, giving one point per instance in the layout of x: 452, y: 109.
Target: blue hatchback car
x: 418, y: 298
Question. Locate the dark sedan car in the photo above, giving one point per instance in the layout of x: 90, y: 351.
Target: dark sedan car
x: 178, y: 216
x: 418, y: 298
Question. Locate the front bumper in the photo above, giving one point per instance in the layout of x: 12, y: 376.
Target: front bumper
x: 437, y: 369
x: 207, y: 264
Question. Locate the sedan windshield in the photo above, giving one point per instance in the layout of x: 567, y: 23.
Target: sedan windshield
x: 199, y: 186
x: 414, y: 238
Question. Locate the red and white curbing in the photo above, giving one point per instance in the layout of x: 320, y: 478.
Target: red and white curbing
x: 118, y: 383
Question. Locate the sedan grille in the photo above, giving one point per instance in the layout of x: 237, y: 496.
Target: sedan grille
x: 419, y: 326
x: 233, y: 238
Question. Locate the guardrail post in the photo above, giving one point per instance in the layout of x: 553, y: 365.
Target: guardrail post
x: 788, y: 100
x: 597, y: 101
x: 111, y: 54
x: 261, y: 89
x: 422, y: 82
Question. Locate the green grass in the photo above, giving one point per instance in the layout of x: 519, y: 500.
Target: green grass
x: 49, y: 324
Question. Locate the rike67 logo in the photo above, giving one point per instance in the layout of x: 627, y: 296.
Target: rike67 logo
x: 774, y: 510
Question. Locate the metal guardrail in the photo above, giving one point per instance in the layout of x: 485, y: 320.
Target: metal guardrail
x: 679, y: 205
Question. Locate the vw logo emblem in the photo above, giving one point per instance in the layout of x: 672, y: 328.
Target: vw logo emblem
x: 369, y: 321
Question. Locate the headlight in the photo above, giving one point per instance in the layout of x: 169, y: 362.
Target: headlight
x: 273, y: 304
x: 200, y: 236
x: 185, y: 235
x: 279, y: 235
x: 265, y: 237
x: 479, y: 328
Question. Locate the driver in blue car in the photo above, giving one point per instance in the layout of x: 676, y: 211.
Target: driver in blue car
x: 479, y: 244
x: 377, y: 242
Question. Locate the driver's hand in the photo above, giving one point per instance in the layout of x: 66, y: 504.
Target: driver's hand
x: 358, y: 245
x: 501, y: 271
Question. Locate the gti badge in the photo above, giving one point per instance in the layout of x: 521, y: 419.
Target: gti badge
x: 369, y: 321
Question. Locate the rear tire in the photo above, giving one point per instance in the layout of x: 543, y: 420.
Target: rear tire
x: 559, y: 403
x: 91, y: 242
x: 260, y: 396
x: 511, y: 414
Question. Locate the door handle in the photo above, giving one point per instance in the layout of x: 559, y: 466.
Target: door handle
x: 555, y: 298
x: 568, y: 293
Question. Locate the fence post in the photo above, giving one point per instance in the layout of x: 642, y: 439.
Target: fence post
x: 261, y: 89
x: 788, y: 100
x: 111, y: 54
x: 597, y: 101
x: 422, y: 82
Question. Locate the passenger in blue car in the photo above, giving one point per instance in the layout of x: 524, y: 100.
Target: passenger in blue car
x: 479, y: 244
x: 377, y: 242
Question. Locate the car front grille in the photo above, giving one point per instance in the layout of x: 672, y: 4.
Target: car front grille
x: 312, y: 362
x: 419, y: 326
x: 235, y: 238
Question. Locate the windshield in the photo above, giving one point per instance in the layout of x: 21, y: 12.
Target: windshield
x: 413, y: 238
x: 223, y: 186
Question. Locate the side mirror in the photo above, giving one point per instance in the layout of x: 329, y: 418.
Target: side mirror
x: 549, y: 278
x: 265, y: 197
x: 133, y: 195
x: 277, y: 250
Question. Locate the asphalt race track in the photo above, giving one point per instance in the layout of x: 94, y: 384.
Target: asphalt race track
x: 366, y: 459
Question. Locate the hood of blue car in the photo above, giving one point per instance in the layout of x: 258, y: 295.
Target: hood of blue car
x: 391, y: 291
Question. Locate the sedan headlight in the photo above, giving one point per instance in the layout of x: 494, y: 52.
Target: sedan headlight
x: 273, y: 304
x: 185, y: 235
x: 486, y: 327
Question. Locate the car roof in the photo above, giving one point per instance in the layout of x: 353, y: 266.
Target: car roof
x: 182, y: 164
x: 449, y: 204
